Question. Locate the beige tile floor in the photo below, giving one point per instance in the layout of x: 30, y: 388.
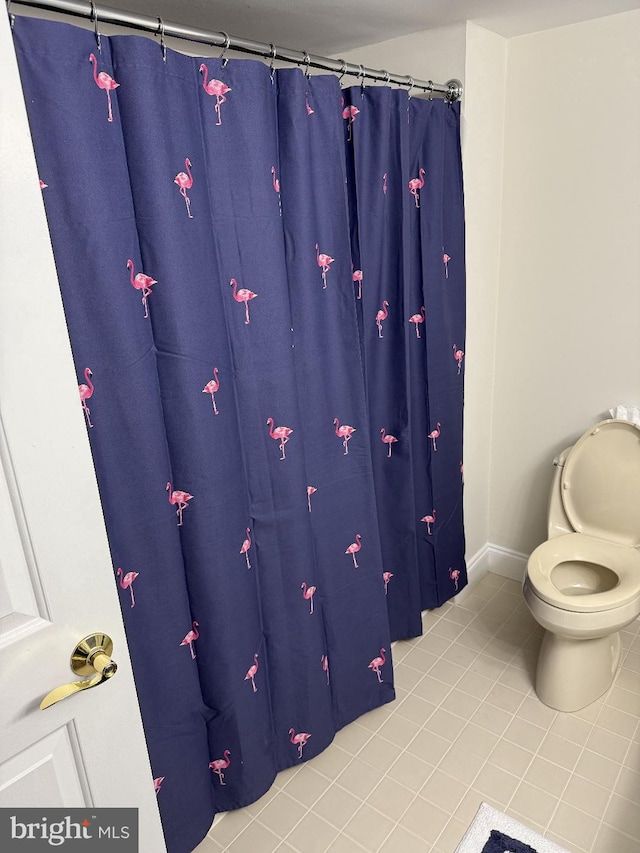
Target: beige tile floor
x: 466, y: 727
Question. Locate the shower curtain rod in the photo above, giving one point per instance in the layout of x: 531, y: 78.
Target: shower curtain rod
x: 451, y: 90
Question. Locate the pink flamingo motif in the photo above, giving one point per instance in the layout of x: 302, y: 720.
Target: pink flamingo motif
x: 86, y: 392
x: 376, y: 663
x: 415, y: 185
x: 384, y: 183
x: 243, y: 295
x: 211, y: 387
x: 417, y: 319
x: 434, y: 434
x: 157, y: 784
x: 245, y: 547
x: 216, y: 88
x: 306, y: 101
x: 190, y: 638
x: 462, y: 472
x: 445, y: 260
x: 221, y: 764
x: 388, y: 440
x: 251, y: 673
x: 429, y: 520
x: 126, y: 582
x: 43, y: 186
x: 324, y: 660
x: 276, y: 186
x: 324, y: 262
x: 454, y: 574
x: 344, y: 432
x: 308, y: 593
x: 386, y: 577
x: 299, y: 740
x: 356, y: 275
x: 354, y: 548
x: 180, y: 498
x: 280, y: 434
x: 103, y: 81
x: 141, y: 282
x: 310, y: 491
x: 350, y: 113
x: 184, y: 182
x: 382, y: 314
x: 458, y: 354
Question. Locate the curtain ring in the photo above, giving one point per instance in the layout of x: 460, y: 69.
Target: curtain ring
x: 12, y: 17
x: 411, y: 85
x: 225, y: 48
x: 94, y: 18
x: 162, y: 42
x: 343, y: 70
x: 362, y: 75
x: 387, y: 77
x: 430, y: 90
x: 272, y: 68
x: 307, y: 62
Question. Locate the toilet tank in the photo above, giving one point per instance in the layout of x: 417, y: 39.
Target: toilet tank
x: 557, y: 523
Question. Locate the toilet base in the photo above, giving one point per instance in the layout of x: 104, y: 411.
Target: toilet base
x: 572, y: 674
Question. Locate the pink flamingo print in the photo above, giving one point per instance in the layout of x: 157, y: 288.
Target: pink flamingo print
x: 221, y: 764
x: 280, y: 434
x: 215, y: 88
x: 43, y: 186
x: 354, y: 548
x: 344, y: 432
x: 384, y: 183
x: 458, y: 354
x: 180, y: 498
x: 418, y: 319
x: 415, y: 185
x: 429, y: 520
x: 454, y: 574
x: 308, y: 593
x: 141, y: 282
x: 86, y: 392
x: 350, y: 113
x: 376, y: 663
x: 306, y: 101
x: 462, y: 472
x: 324, y: 660
x: 386, y: 577
x: 311, y: 490
x: 382, y: 314
x: 434, y: 434
x: 276, y: 186
x: 388, y: 440
x: 211, y: 387
x: 243, y: 295
x: 299, y: 740
x: 157, y: 783
x: 356, y: 275
x: 251, y: 673
x: 245, y: 547
x: 126, y: 582
x: 445, y: 260
x: 184, y: 181
x: 324, y: 262
x: 190, y: 638
x: 103, y: 81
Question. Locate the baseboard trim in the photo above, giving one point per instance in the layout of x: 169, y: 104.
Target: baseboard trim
x: 493, y: 558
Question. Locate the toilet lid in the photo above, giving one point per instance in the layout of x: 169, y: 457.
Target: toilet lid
x: 601, y: 483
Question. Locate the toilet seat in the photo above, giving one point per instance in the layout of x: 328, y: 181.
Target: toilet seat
x: 622, y: 560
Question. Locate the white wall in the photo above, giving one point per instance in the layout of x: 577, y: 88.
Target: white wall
x: 568, y: 320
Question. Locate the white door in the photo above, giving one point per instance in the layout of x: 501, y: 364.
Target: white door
x: 56, y: 578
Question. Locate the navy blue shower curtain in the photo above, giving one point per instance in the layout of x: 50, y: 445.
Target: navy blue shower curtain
x: 263, y: 279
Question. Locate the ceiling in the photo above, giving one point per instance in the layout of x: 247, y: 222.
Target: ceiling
x: 327, y: 27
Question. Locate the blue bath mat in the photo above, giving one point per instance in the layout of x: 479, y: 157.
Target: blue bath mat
x: 494, y: 832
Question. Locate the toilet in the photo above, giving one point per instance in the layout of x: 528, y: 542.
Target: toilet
x: 583, y: 584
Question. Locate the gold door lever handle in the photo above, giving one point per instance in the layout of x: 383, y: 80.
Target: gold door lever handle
x: 92, y: 656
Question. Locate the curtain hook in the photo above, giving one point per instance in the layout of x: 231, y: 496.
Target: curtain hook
x: 361, y: 74
x: 225, y: 48
x: 162, y: 42
x: 94, y: 18
x: 430, y: 90
x: 343, y: 70
x: 12, y: 17
x: 307, y: 61
x: 387, y: 77
x: 411, y: 85
x: 272, y: 68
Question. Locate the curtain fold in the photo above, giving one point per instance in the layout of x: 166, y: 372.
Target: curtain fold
x: 263, y: 280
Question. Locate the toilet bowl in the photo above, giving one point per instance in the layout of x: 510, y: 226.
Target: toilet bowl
x: 583, y: 584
